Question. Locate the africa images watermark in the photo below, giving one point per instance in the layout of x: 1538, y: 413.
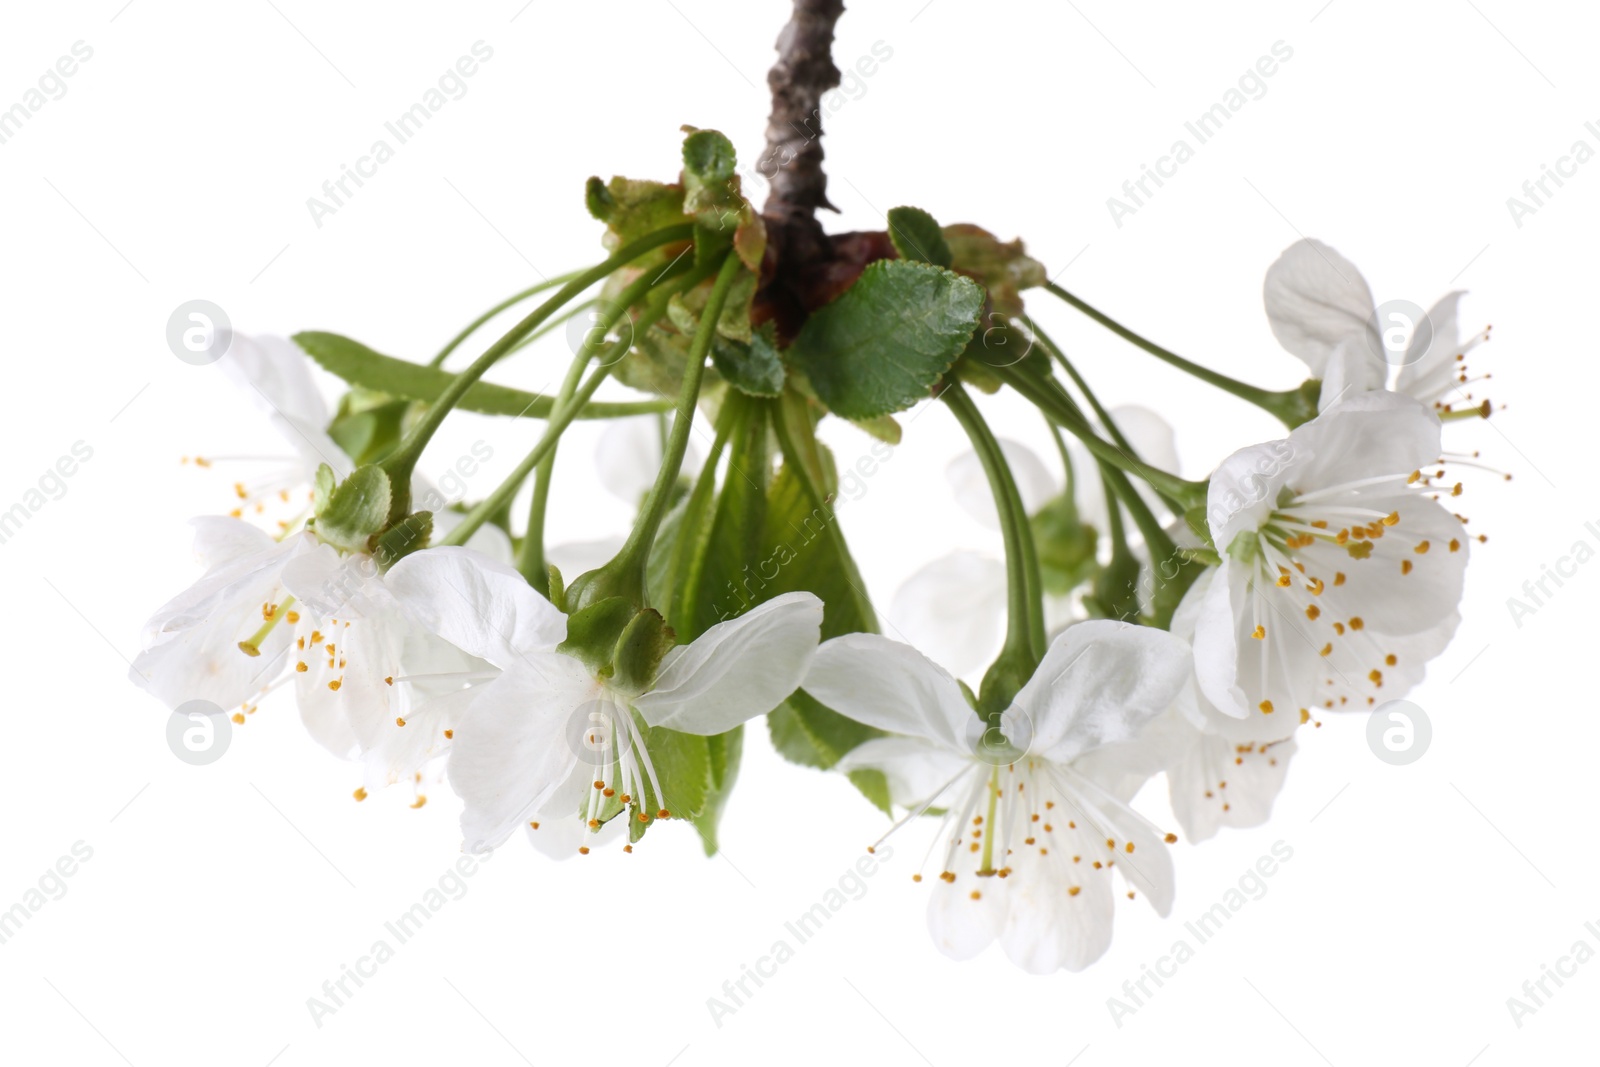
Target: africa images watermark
x: 1537, y: 591
x: 451, y: 85
x: 850, y: 886
x: 1252, y: 885
x: 51, y: 885
x: 1536, y: 992
x: 1538, y: 191
x: 337, y: 991
x: 51, y: 85
x: 52, y: 485
x: 1252, y: 85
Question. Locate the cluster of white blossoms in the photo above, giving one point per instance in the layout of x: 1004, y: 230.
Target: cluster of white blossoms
x: 1185, y: 630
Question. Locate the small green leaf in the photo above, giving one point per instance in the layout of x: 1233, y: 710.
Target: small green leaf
x: 709, y: 163
x: 883, y: 344
x: 755, y: 368
x: 917, y: 236
x: 355, y: 509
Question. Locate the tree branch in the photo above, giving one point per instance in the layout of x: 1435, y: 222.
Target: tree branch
x: 803, y: 72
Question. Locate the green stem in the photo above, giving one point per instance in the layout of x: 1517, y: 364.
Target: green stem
x: 1289, y: 406
x: 784, y: 427
x: 1025, y: 639
x: 530, y: 557
x: 403, y: 461
x: 510, y: 301
x: 629, y: 564
x: 1094, y: 402
x: 1057, y: 405
x: 554, y: 324
x: 493, y: 504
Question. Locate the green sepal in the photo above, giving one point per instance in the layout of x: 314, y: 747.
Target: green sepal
x: 639, y: 650
x: 321, y: 488
x: 592, y: 632
x: 916, y: 235
x: 1067, y: 545
x: 369, y: 424
x: 355, y: 509
x: 403, y: 538
x: 1002, y: 266
x: 557, y: 588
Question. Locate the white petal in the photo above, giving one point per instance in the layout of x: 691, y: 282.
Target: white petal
x: 276, y: 377
x: 628, y: 457
x: 737, y: 669
x: 1365, y: 436
x: 1219, y: 782
x: 219, y: 540
x: 488, y: 539
x: 1431, y: 369
x: 1100, y: 682
x: 917, y: 770
x: 953, y: 610
x: 1244, y: 487
x: 191, y: 644
x: 1035, y: 484
x: 1316, y: 300
x: 893, y: 687
x: 1352, y: 370
x: 512, y: 750
x: 482, y: 607
x: 960, y: 926
x: 1215, y: 628
x: 573, y: 558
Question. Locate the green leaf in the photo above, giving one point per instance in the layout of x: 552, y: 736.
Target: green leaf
x: 917, y: 236
x: 799, y: 555
x: 724, y: 752
x: 366, y: 369
x: 355, y: 509
x: 682, y: 763
x: 807, y: 732
x: 754, y: 368
x: 881, y: 346
x: 1002, y: 266
x: 722, y: 577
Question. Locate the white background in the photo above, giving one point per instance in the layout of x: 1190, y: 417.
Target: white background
x: 219, y: 899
